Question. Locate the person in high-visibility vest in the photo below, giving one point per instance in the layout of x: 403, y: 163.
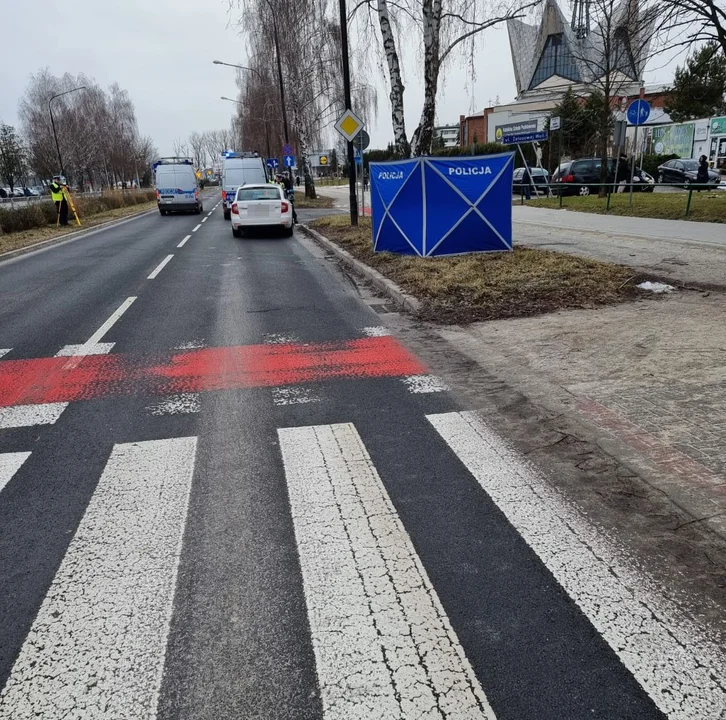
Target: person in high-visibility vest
x: 59, y: 198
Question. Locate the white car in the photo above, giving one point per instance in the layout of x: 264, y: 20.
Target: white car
x: 263, y: 205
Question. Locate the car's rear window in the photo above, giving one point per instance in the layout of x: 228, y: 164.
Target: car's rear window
x: 690, y: 164
x: 261, y: 193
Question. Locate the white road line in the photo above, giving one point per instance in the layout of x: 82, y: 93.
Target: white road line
x: 96, y: 648
x: 4, y: 351
x: 184, y: 241
x: 204, y: 220
x: 85, y: 349
x: 181, y: 404
x: 676, y: 662
x: 160, y: 267
x: 27, y: 415
x: 197, y: 227
x: 112, y: 320
x: 424, y: 384
x: 94, y: 340
x: 10, y: 464
x: 383, y: 645
x: 209, y: 214
x: 293, y: 395
x: 376, y: 331
x: 280, y: 338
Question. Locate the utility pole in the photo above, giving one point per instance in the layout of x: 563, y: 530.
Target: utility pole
x: 346, y: 89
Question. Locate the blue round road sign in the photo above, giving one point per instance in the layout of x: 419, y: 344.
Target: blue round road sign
x: 287, y: 149
x: 638, y: 112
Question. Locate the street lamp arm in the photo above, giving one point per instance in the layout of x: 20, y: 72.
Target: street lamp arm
x: 241, y: 67
x: 52, y: 123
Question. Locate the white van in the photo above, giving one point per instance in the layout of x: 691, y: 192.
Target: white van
x: 177, y: 189
x: 240, y: 169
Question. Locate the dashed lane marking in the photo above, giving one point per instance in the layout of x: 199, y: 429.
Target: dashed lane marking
x: 184, y: 241
x: 204, y: 220
x: 73, y: 350
x: 96, y: 648
x: 677, y: 663
x: 26, y: 415
x: 383, y: 644
x: 93, y: 341
x: 160, y: 267
x: 197, y: 227
x: 10, y: 464
x: 4, y: 351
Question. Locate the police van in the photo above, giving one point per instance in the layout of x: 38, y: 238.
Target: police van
x: 177, y: 188
x: 244, y: 168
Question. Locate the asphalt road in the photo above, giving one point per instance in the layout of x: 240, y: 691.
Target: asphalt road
x: 227, y: 491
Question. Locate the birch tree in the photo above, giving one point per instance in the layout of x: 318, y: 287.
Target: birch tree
x: 442, y: 29
x: 307, y: 35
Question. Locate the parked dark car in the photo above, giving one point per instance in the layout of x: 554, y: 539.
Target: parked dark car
x: 683, y: 172
x: 539, y: 175
x: 3, y: 193
x: 582, y: 177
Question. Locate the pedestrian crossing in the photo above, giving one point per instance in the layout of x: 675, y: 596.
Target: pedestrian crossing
x: 383, y: 639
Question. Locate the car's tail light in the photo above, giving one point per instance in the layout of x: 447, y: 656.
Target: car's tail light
x: 196, y: 193
x: 224, y: 195
x: 284, y: 207
x: 158, y: 195
x: 568, y: 178
x: 234, y: 209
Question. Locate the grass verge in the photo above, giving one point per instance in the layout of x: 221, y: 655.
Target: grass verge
x: 303, y: 203
x: 488, y: 286
x: 705, y: 207
x: 24, y: 238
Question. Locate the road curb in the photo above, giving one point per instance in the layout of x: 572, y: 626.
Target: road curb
x: 10, y: 254
x: 380, y: 282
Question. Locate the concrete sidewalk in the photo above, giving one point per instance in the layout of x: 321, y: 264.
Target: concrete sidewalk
x: 677, y: 250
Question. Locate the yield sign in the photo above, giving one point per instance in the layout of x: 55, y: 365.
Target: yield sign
x: 349, y: 125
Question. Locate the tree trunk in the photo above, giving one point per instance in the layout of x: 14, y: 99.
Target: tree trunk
x: 605, y: 123
x: 394, y: 75
x: 302, y: 137
x: 423, y: 136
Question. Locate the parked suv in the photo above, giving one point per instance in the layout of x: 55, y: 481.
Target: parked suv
x: 582, y: 177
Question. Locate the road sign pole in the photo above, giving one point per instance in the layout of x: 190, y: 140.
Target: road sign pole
x: 632, y: 165
x: 346, y: 91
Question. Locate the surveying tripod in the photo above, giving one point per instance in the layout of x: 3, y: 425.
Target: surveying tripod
x: 67, y: 195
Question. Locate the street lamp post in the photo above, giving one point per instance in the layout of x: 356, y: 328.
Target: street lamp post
x: 267, y: 129
x: 52, y: 123
x: 279, y: 76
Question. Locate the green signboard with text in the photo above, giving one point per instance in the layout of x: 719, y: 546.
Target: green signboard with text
x: 674, y: 140
x: 718, y: 126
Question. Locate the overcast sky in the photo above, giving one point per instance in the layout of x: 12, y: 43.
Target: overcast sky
x: 161, y: 51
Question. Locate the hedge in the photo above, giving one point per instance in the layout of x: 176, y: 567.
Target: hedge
x: 27, y: 216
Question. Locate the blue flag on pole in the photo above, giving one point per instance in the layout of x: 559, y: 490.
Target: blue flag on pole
x: 443, y: 206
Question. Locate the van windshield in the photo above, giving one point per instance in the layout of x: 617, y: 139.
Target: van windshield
x: 244, y: 176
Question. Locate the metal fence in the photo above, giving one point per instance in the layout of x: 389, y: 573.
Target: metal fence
x: 621, y: 191
x: 23, y: 201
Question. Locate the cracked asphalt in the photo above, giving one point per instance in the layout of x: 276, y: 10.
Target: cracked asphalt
x: 229, y: 488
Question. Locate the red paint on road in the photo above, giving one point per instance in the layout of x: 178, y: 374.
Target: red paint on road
x: 44, y: 380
